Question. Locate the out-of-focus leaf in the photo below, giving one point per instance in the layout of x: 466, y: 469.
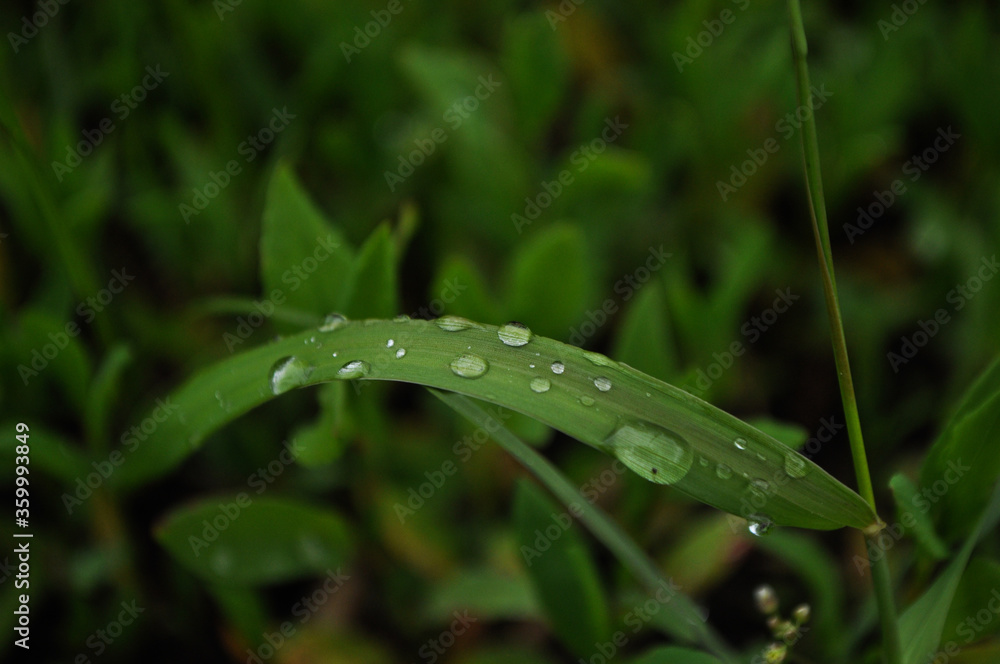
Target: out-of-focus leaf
x: 965, y: 459
x: 644, y: 339
x: 791, y: 434
x: 975, y: 611
x: 302, y: 256
x: 562, y: 571
x: 548, y: 284
x: 704, y: 553
x: 907, y: 500
x: 487, y: 593
x: 459, y: 288
x: 921, y: 625
x: 102, y: 395
x: 320, y: 442
x: 372, y: 289
x: 250, y: 540
x: 537, y: 67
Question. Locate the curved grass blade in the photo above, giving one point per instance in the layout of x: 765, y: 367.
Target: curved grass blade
x: 661, y: 432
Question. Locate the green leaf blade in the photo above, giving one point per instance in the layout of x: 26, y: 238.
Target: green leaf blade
x: 637, y: 418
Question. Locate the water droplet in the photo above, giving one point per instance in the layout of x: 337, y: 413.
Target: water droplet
x: 643, y: 447
x: 390, y: 343
x: 741, y: 443
x: 761, y: 485
x: 558, y: 367
x: 354, y: 369
x: 400, y: 353
x: 469, y: 366
x: 332, y: 322
x: 540, y: 385
x: 455, y: 323
x: 334, y: 353
x: 223, y: 403
x: 288, y: 373
x: 703, y: 461
x: 723, y: 472
x: 586, y: 401
x: 514, y: 334
x: 761, y: 456
x: 759, y: 524
x: 531, y: 366
x: 602, y: 383
x: 401, y: 318
x: 795, y: 465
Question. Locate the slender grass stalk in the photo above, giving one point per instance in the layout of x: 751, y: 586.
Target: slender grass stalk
x: 881, y: 578
x: 606, y: 530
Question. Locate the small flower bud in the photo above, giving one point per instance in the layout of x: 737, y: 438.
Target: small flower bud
x: 801, y: 614
x: 767, y: 600
x: 775, y: 653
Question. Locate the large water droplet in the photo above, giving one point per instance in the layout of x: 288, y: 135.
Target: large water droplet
x: 400, y: 353
x: 723, y: 472
x: 354, y: 369
x: 740, y: 443
x: 759, y: 524
x: 602, y: 383
x: 455, y: 323
x: 332, y: 322
x: 558, y: 367
x: 469, y: 366
x: 653, y: 452
x: 288, y: 373
x: 514, y: 334
x: 795, y: 465
x: 540, y: 385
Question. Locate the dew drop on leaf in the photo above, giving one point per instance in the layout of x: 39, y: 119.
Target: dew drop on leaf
x: 454, y: 323
x: 643, y: 446
x: 288, y: 373
x: 602, y: 383
x: 390, y: 343
x: 332, y: 322
x: 354, y: 369
x: 540, y: 385
x: 558, y: 367
x: 759, y: 524
x: 400, y: 353
x: 723, y: 472
x: 514, y: 334
x: 796, y: 466
x: 741, y: 443
x: 469, y: 366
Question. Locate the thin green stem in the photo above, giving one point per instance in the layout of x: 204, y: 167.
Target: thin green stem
x: 881, y: 577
